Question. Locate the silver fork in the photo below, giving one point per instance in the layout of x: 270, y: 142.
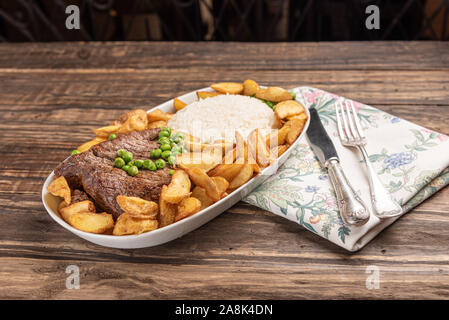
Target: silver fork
x: 351, y: 134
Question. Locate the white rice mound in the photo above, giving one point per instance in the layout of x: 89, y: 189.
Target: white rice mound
x: 219, y: 117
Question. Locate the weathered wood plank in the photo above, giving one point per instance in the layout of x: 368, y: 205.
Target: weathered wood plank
x: 228, y: 56
x: 151, y: 87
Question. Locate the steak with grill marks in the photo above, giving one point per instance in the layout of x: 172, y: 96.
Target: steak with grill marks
x: 93, y: 171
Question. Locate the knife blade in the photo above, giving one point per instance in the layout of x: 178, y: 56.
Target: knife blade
x: 319, y: 140
x: 352, y: 209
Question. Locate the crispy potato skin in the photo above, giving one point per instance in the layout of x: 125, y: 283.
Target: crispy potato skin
x: 228, y: 87
x: 288, y: 108
x: 137, y: 207
x: 167, y: 211
x: 178, y: 104
x: 187, y: 207
x: 207, y: 94
x: 201, y: 179
x: 60, y: 188
x: 178, y: 189
x: 82, y: 206
x: 128, y: 225
x: 274, y: 94
x: 250, y: 87
x: 92, y: 222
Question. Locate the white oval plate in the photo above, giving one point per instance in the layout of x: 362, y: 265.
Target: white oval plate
x: 178, y: 229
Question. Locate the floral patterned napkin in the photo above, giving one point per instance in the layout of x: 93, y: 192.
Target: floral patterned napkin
x: 411, y: 161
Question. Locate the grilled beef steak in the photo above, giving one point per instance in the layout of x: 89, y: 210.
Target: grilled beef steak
x: 94, y: 171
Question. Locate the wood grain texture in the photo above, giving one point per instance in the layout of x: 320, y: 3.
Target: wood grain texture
x: 52, y: 95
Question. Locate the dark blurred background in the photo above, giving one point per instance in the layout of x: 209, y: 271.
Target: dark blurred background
x: 223, y: 20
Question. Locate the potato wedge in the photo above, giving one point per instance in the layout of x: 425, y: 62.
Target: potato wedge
x: 104, y: 132
x: 274, y: 94
x: 288, y: 108
x: 167, y: 211
x: 228, y: 87
x: 206, y: 94
x: 77, y: 207
x: 200, y: 178
x: 137, y: 207
x: 296, y: 127
x: 242, y: 153
x: 200, y: 194
x: 242, y: 177
x: 250, y: 87
x: 222, y: 184
x: 179, y: 187
x: 158, y: 115
x: 259, y: 150
x: 230, y: 156
x: 203, y: 160
x: 227, y: 171
x: 60, y: 188
x: 157, y: 124
x: 196, y: 146
x: 279, y: 150
x: 89, y: 144
x: 92, y: 222
x: 302, y: 116
x: 135, y: 120
x: 277, y: 137
x: 61, y: 205
x: 187, y: 207
x: 178, y: 104
x: 128, y: 225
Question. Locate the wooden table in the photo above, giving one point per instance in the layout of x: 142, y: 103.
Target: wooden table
x: 52, y: 95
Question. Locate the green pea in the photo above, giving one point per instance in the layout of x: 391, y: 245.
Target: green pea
x: 176, y: 140
x: 147, y: 163
x: 126, y: 168
x: 160, y: 164
x: 119, y: 163
x: 165, y: 147
x: 171, y: 172
x: 133, y: 171
x: 156, y: 153
x: 75, y: 152
x: 171, y: 160
x: 121, y: 153
x: 166, y: 154
x: 131, y: 163
x: 128, y: 156
x: 293, y: 95
x: 138, y: 163
x: 152, y: 166
x: 112, y: 136
x: 166, y: 129
x: 176, y: 149
x: 180, y: 135
x: 164, y: 140
x: 164, y: 133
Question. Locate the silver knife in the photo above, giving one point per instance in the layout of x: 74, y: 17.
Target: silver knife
x: 352, y: 209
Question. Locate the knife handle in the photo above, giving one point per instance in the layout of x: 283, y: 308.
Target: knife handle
x: 352, y: 209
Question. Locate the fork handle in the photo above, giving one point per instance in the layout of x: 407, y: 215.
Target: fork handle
x: 352, y: 209
x: 383, y: 204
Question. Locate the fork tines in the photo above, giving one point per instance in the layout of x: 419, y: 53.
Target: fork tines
x: 350, y: 132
